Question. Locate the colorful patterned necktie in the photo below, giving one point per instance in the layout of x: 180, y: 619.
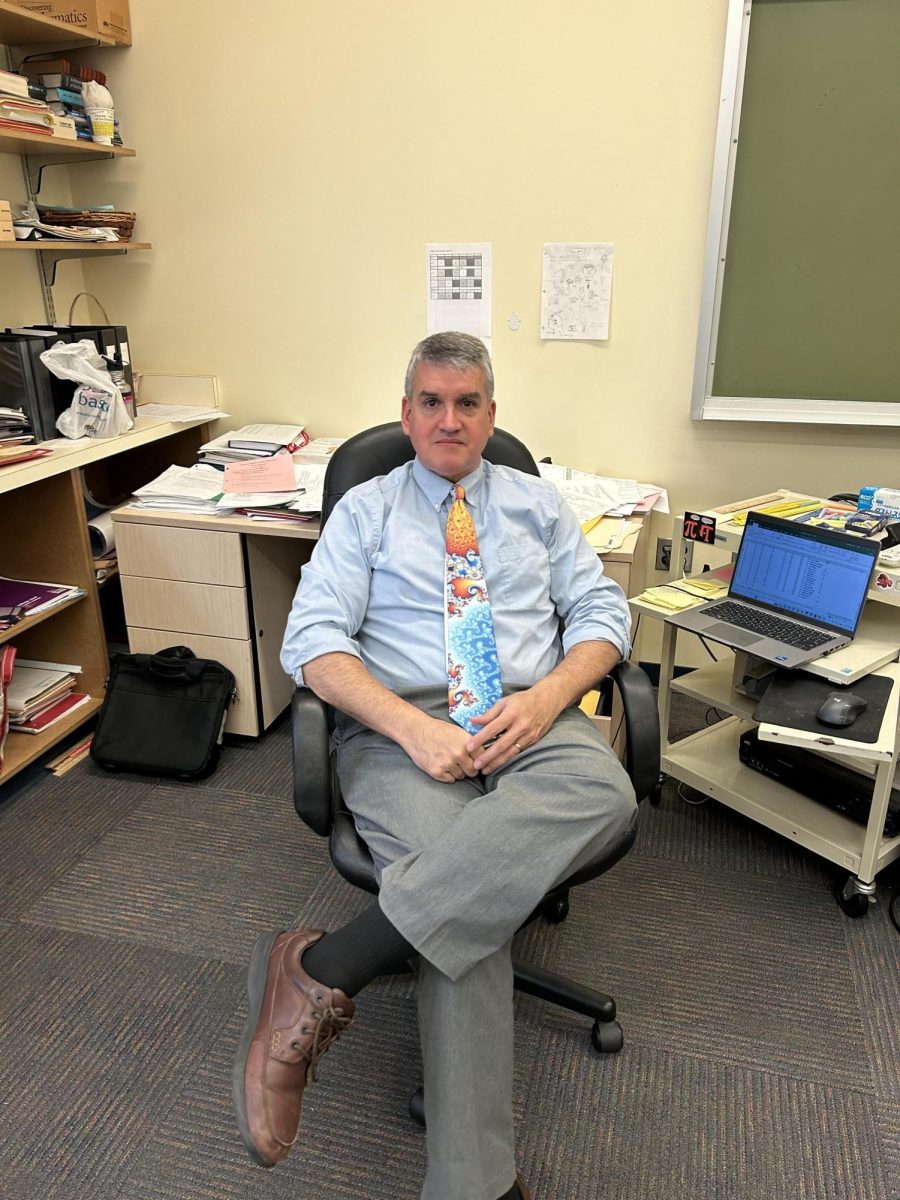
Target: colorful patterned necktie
x: 473, y: 669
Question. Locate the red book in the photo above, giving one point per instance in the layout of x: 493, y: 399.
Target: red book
x: 49, y: 716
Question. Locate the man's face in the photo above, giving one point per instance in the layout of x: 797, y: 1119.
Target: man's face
x: 448, y: 418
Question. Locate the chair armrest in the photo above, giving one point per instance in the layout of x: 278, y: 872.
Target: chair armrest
x: 312, y: 761
x: 641, y: 726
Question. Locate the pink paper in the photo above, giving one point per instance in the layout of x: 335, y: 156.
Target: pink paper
x: 274, y: 474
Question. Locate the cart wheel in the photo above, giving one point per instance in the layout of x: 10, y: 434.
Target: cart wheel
x: 853, y: 902
x: 607, y: 1037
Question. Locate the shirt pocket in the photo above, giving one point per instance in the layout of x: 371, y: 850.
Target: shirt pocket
x: 524, y: 574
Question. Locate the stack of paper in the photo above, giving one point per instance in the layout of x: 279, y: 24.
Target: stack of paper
x: 593, y: 496
x: 274, y: 488
x: 251, y: 441
x: 318, y: 451
x: 21, y: 598
x: 194, y: 489
x: 40, y: 694
x: 687, y: 592
x: 14, y: 427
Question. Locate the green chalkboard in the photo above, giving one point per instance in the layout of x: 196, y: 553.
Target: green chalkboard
x: 811, y: 286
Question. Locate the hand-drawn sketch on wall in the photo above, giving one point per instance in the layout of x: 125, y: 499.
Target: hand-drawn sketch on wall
x: 458, y: 287
x: 575, y: 291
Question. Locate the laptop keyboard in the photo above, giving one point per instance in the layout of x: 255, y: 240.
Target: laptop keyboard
x: 768, y: 625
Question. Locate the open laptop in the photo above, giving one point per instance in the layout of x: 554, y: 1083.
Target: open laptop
x: 797, y: 592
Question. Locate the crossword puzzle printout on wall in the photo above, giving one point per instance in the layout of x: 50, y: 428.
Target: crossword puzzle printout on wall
x: 458, y: 288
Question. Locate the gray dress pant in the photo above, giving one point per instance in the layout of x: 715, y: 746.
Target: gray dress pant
x: 461, y: 866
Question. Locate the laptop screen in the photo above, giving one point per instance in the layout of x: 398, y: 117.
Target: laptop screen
x: 804, y: 571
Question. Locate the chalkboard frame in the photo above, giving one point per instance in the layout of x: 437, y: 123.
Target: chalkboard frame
x: 705, y: 405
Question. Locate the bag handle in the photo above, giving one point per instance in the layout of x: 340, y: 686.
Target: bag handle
x: 175, y: 663
x: 88, y: 296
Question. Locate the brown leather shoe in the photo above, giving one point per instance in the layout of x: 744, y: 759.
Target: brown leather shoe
x: 524, y: 1193
x: 292, y: 1020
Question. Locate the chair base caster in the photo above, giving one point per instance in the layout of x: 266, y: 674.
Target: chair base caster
x: 607, y: 1037
x: 417, y: 1106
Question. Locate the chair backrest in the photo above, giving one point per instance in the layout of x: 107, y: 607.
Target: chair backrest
x: 378, y: 450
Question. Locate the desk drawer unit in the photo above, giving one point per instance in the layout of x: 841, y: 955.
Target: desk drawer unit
x: 200, y: 588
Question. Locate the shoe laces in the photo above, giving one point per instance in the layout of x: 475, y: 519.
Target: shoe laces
x: 330, y: 1024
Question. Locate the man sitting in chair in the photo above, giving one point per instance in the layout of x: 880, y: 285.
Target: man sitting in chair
x: 453, y: 614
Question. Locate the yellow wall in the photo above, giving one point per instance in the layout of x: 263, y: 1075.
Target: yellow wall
x: 294, y: 158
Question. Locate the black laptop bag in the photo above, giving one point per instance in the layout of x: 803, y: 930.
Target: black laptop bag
x: 163, y: 714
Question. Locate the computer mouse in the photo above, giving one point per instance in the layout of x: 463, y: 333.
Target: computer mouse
x: 841, y: 708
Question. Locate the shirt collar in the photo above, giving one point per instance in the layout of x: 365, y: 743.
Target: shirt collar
x: 437, y: 489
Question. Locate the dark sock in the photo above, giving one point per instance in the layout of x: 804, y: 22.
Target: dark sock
x: 359, y: 952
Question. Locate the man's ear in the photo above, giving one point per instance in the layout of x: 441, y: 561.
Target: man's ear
x: 404, y: 415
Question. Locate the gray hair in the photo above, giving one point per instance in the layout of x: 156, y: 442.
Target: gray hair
x: 457, y: 350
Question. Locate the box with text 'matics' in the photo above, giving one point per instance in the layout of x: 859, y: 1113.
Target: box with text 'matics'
x: 108, y: 17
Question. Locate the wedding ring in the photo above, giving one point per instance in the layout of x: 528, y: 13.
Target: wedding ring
x: 518, y: 747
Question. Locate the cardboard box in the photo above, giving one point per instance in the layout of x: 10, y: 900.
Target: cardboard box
x: 64, y: 127
x: 7, y: 233
x: 110, y: 18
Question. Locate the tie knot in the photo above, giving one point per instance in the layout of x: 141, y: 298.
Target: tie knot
x: 460, y: 492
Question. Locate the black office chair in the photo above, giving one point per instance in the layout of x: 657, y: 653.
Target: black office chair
x: 317, y: 796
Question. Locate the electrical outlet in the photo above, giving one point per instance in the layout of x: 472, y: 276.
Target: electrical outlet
x: 664, y: 555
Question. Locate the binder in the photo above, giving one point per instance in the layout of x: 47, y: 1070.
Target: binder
x: 54, y: 395
x: 18, y: 386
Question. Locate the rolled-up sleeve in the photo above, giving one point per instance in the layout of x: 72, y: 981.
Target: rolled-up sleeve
x: 592, y: 606
x: 331, y: 599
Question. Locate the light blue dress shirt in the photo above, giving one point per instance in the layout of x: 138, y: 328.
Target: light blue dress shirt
x: 374, y: 587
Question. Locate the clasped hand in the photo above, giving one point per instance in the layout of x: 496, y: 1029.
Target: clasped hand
x: 447, y: 752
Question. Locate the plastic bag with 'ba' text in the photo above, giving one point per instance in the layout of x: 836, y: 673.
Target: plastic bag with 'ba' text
x: 97, y: 409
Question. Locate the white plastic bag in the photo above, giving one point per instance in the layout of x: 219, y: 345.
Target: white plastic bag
x: 97, y: 409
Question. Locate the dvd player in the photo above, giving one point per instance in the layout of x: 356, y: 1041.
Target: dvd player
x: 832, y: 784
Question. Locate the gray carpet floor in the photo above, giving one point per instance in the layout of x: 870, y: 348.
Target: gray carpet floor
x: 762, y: 1026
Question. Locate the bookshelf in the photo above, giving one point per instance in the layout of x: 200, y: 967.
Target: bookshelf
x: 30, y: 32
x: 20, y: 142
x: 74, y: 249
x: 44, y: 537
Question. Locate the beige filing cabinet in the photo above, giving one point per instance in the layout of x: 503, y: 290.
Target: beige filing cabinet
x: 223, y: 587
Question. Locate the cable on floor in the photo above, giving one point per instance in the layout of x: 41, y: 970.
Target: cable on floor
x: 693, y: 803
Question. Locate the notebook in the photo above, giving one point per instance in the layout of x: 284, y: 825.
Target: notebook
x: 797, y: 592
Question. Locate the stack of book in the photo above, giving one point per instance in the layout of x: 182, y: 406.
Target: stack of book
x: 21, y: 598
x: 44, y: 64
x: 40, y: 694
x: 19, y: 110
x: 65, y: 100
x: 252, y: 441
x: 59, y: 74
